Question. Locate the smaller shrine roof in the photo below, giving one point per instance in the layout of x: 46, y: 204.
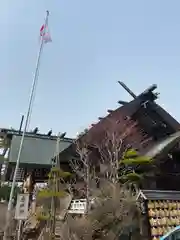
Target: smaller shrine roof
x: 159, y: 195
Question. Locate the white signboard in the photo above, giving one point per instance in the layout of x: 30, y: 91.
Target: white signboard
x: 22, y: 207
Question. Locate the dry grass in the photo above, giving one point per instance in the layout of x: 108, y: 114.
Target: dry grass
x: 114, y: 211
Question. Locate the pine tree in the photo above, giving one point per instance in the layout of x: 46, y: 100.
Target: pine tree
x: 51, y: 197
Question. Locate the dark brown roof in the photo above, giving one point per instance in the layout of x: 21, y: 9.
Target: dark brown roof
x: 129, y: 109
x: 159, y: 195
x: 96, y: 132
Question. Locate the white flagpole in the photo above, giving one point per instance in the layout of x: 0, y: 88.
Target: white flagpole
x: 32, y: 94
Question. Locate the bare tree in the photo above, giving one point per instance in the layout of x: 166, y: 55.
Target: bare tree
x: 106, y: 149
x: 114, y: 209
x: 81, y: 166
x: 112, y: 147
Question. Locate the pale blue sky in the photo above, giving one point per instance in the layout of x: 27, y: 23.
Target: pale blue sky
x: 95, y: 44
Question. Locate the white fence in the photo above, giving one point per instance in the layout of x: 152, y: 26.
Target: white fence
x: 78, y: 206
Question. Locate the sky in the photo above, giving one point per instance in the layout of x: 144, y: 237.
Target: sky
x: 94, y: 44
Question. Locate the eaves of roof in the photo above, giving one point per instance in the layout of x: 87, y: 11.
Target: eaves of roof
x: 159, y: 195
x: 164, y: 146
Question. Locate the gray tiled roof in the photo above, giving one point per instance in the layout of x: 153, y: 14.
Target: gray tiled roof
x: 159, y: 195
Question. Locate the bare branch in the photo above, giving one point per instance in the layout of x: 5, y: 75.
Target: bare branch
x: 114, y: 207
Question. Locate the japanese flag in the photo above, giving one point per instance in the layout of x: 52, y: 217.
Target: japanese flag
x: 45, y: 34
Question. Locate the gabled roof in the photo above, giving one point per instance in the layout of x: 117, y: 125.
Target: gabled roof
x: 159, y: 195
x: 133, y: 106
x: 129, y: 109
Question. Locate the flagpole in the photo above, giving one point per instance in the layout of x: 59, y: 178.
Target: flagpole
x: 32, y: 94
